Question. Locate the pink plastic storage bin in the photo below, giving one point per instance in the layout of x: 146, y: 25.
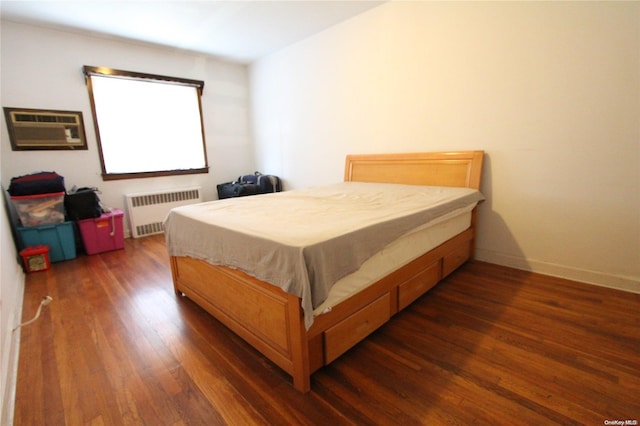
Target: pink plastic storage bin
x: 104, y: 233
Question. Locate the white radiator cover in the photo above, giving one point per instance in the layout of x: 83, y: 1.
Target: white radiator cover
x: 147, y: 211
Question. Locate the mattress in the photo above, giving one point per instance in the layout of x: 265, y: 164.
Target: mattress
x: 304, y: 241
x: 397, y: 254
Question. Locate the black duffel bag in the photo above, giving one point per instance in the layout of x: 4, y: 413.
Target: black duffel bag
x: 266, y: 183
x: 237, y: 189
x: 83, y: 203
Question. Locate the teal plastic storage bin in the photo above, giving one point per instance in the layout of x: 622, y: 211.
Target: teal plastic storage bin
x: 60, y: 239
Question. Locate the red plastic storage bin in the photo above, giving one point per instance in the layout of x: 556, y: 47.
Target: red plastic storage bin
x: 104, y: 233
x: 36, y: 258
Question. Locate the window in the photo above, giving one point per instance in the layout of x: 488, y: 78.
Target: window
x: 146, y: 125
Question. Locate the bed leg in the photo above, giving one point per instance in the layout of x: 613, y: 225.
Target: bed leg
x: 474, y: 223
x: 299, y: 347
x: 174, y: 275
x: 302, y: 384
x: 301, y: 374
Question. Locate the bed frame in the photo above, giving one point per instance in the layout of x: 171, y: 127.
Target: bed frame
x: 272, y: 321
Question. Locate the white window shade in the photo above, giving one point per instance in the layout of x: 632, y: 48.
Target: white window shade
x: 147, y: 126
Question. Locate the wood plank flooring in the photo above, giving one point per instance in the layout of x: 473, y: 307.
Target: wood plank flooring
x: 489, y: 345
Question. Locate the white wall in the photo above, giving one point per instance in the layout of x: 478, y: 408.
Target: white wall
x: 550, y: 90
x: 42, y: 68
x: 11, y: 293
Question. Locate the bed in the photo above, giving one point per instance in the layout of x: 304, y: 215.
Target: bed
x: 267, y: 307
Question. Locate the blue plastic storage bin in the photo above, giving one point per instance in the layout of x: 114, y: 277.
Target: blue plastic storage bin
x: 60, y: 239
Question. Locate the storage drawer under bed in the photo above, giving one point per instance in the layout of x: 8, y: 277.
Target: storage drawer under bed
x: 418, y: 285
x: 345, y: 334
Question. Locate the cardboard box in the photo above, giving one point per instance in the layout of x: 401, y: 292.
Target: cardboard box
x: 104, y: 233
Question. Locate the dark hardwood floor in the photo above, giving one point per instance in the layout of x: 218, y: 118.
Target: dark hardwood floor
x: 489, y: 345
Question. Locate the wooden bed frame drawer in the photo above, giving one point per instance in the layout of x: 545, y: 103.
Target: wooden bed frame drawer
x: 453, y: 260
x: 342, y: 336
x: 418, y: 285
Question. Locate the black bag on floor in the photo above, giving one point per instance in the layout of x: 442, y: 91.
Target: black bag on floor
x: 237, y: 189
x: 266, y: 183
x: 83, y: 203
x: 36, y: 184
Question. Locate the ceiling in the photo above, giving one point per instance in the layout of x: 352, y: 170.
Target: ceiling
x: 236, y: 30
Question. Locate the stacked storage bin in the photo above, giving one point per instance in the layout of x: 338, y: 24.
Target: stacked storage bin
x: 101, y: 228
x: 103, y: 233
x: 39, y: 202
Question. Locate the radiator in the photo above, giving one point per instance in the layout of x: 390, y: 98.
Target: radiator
x: 148, y: 211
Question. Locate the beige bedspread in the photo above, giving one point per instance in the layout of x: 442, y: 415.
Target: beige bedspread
x: 303, y: 241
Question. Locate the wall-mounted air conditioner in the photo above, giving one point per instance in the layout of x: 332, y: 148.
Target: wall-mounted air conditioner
x: 45, y: 129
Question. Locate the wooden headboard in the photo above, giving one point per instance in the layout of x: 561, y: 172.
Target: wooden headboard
x: 461, y: 168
